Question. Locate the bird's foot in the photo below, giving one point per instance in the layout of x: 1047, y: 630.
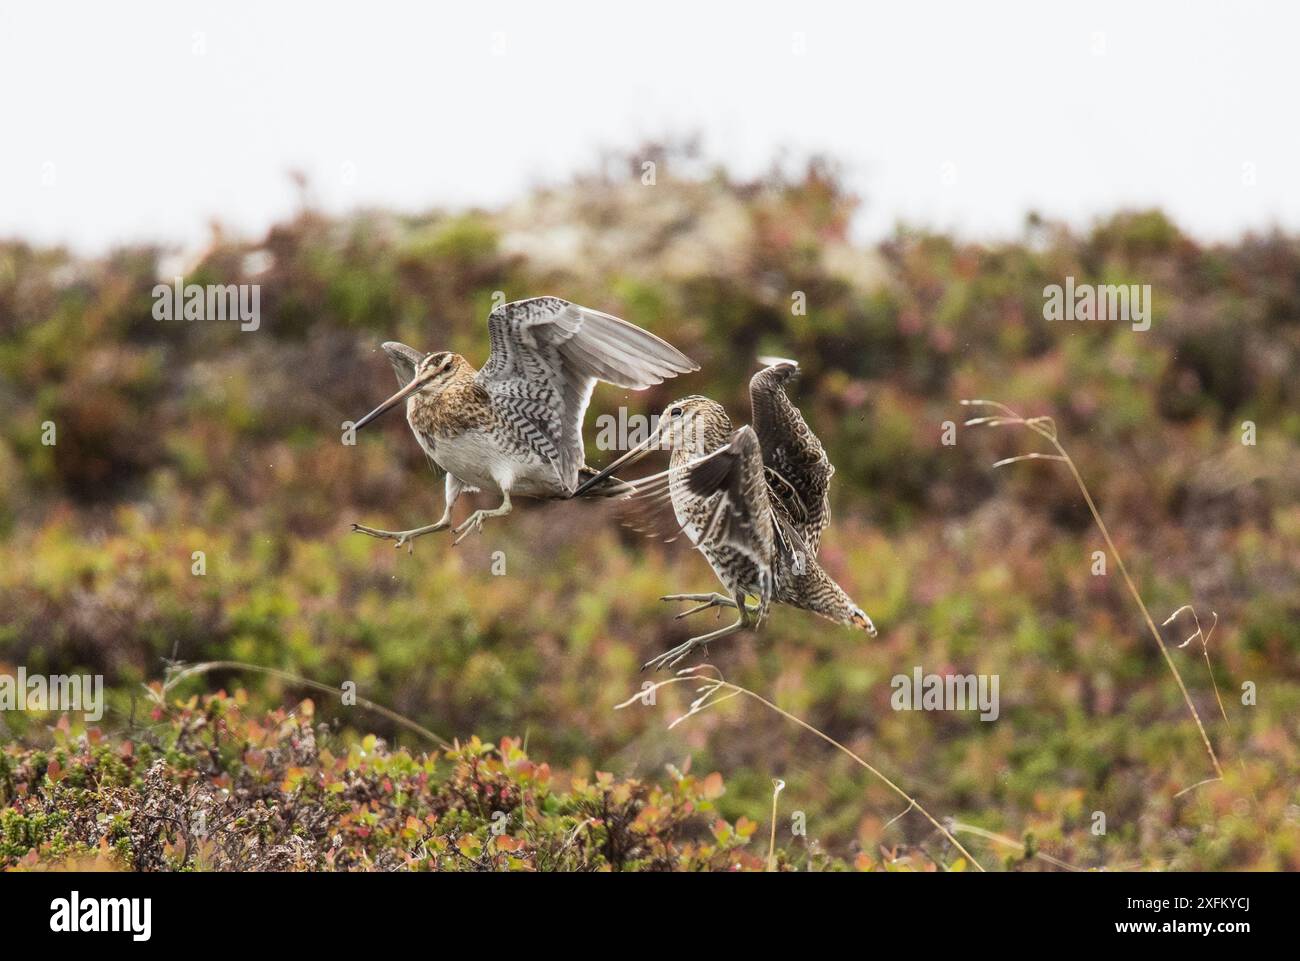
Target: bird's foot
x: 710, y: 600
x: 472, y: 525
x: 401, y: 537
x: 672, y: 656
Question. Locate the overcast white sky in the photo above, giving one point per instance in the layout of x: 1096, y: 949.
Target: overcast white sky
x: 147, y: 123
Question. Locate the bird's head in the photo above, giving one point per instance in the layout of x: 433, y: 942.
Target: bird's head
x: 417, y: 373
x: 692, y: 425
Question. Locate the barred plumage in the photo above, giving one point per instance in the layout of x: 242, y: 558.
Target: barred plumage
x: 516, y: 425
x: 799, y: 470
x: 547, y: 355
x: 754, y: 501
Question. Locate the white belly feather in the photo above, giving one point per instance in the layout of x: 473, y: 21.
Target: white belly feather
x: 475, y: 458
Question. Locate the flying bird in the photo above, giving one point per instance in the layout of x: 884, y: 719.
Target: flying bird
x: 515, y: 426
x: 754, y: 501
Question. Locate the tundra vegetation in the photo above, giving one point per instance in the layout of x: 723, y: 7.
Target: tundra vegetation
x: 177, y: 492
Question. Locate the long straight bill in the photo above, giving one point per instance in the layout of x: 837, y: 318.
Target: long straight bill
x: 631, y: 457
x: 389, y: 404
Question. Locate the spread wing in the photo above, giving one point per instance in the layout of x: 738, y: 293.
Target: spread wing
x: 798, y: 471
x: 547, y: 355
x: 735, y: 511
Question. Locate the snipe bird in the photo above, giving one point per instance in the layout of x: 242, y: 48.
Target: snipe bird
x: 515, y: 427
x: 753, y: 500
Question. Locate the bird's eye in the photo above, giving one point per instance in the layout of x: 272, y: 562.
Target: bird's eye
x: 675, y: 412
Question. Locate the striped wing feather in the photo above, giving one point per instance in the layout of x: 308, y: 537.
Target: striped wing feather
x: 798, y: 469
x: 733, y: 487
x: 546, y: 356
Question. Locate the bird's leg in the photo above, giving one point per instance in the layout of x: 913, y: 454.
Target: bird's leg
x: 710, y: 600
x: 451, y: 494
x: 453, y: 489
x: 670, y: 657
x: 474, y: 523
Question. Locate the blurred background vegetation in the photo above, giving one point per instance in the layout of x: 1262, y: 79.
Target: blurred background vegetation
x: 176, y: 437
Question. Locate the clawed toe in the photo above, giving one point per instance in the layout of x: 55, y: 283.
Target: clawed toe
x: 709, y: 600
x: 668, y: 658
x: 376, y: 532
x: 674, y: 656
x: 399, y: 537
x: 694, y: 610
x: 472, y: 525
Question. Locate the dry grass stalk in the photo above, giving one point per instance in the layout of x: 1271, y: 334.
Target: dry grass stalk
x: 178, y: 673
x: 777, y: 787
x: 713, y: 684
x: 1045, y: 427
